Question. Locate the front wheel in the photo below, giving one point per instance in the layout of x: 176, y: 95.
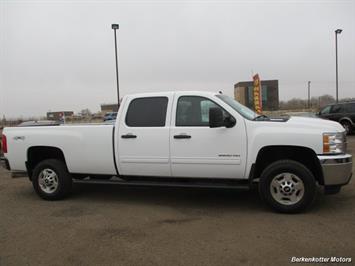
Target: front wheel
x: 287, y: 186
x: 347, y: 126
x: 51, y: 180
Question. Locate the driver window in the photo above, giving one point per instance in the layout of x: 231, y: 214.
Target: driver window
x: 194, y: 111
x: 326, y: 110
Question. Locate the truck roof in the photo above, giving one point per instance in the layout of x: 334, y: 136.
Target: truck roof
x: 149, y: 94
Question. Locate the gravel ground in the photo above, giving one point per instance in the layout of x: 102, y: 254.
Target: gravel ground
x: 112, y: 225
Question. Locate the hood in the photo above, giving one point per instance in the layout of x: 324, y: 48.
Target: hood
x: 316, y: 123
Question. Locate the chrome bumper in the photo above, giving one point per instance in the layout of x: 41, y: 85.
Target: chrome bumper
x: 337, y: 169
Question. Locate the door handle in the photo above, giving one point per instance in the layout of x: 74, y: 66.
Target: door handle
x: 128, y: 136
x: 182, y: 136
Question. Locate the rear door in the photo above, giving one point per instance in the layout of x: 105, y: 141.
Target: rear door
x: 143, y: 136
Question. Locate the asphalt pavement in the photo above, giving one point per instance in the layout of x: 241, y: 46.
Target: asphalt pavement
x: 113, y: 225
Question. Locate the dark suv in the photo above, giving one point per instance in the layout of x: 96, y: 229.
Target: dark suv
x: 344, y: 113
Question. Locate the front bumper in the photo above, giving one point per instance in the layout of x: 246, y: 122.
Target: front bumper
x: 4, y: 163
x: 337, y: 169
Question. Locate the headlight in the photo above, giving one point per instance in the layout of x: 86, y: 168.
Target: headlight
x: 334, y: 143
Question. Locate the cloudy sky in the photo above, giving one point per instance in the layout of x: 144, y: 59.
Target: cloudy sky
x: 59, y: 55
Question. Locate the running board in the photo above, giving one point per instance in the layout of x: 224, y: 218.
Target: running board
x: 170, y: 183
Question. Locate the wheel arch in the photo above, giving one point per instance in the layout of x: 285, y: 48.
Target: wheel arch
x: 303, y: 155
x: 37, y: 154
x: 347, y: 119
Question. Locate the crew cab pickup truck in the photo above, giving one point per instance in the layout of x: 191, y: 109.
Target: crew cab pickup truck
x: 187, y: 139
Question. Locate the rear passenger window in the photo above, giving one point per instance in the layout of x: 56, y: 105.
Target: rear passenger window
x: 350, y: 107
x: 147, y: 112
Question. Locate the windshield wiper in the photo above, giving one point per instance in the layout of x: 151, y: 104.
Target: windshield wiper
x: 261, y: 118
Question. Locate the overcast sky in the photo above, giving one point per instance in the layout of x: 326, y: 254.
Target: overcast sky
x: 60, y: 55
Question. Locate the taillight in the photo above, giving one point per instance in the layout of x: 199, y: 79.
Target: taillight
x: 4, y: 144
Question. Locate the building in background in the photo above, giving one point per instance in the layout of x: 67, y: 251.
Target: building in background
x: 59, y: 115
x: 244, y: 93
x: 109, y: 108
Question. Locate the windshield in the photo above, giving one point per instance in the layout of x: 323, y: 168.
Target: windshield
x: 243, y: 110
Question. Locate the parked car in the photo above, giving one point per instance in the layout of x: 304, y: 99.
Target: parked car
x: 187, y: 139
x: 110, y: 116
x: 344, y: 113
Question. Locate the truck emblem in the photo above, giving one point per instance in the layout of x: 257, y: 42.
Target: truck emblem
x: 19, y: 138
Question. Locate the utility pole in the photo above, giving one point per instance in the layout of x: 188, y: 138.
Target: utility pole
x: 116, y: 27
x: 338, y: 31
x: 309, y: 94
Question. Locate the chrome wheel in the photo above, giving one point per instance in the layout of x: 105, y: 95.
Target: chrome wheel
x: 287, y: 188
x: 48, y: 180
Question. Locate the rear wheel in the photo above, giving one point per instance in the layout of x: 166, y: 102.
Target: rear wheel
x: 287, y: 186
x: 51, y: 180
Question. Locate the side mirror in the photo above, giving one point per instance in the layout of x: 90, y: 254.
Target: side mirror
x: 230, y: 122
x: 216, y: 118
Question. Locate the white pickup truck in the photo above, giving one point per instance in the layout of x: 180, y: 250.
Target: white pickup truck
x: 186, y: 139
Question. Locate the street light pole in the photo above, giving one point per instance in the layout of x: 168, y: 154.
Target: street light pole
x: 309, y: 94
x: 116, y: 27
x: 338, y: 31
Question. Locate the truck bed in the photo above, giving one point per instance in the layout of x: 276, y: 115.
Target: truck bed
x: 86, y: 148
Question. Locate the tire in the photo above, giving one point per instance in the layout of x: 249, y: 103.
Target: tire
x: 347, y: 126
x: 51, y: 180
x: 287, y: 186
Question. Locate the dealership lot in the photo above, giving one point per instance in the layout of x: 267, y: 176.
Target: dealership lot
x: 112, y: 225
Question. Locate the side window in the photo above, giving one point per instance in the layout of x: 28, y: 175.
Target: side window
x: 205, y: 110
x: 147, y: 112
x: 325, y: 110
x: 336, y: 109
x: 350, y: 108
x: 194, y: 111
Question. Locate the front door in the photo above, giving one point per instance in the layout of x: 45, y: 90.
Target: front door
x: 200, y: 151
